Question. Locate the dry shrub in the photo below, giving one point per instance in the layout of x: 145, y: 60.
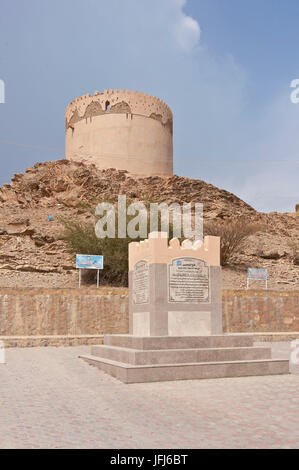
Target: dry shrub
x: 233, y: 233
x: 294, y: 245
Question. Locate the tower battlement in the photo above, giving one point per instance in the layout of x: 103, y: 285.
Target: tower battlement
x: 156, y: 250
x: 120, y: 101
x: 121, y: 129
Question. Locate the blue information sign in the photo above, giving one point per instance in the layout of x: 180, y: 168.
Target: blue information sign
x: 258, y: 274
x: 89, y: 262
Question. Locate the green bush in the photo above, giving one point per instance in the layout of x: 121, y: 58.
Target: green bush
x: 81, y: 239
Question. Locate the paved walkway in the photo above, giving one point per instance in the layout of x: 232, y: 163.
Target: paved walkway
x: 51, y: 399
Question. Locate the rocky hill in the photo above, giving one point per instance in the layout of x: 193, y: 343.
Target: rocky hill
x: 32, y: 253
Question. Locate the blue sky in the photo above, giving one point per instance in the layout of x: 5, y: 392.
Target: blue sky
x: 223, y: 66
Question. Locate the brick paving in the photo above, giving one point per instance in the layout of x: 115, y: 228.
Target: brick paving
x: 51, y: 399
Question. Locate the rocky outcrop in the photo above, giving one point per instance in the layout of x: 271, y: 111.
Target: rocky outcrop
x: 32, y: 206
x: 70, y: 183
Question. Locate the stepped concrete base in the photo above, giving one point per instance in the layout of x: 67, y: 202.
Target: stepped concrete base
x: 178, y: 356
x: 152, y: 359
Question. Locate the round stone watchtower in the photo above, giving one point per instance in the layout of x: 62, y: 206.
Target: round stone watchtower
x: 121, y: 129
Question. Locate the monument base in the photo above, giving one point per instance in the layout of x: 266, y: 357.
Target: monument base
x: 134, y: 359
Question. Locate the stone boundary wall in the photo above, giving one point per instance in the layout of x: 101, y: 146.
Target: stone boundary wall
x: 260, y: 311
x: 39, y: 312
x: 81, y: 316
x: 51, y: 341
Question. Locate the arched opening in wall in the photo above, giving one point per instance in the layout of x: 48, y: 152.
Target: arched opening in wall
x: 107, y: 106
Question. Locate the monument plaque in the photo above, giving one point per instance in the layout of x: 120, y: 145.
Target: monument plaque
x: 188, y: 281
x: 174, y: 288
x: 141, y: 283
x: 177, y: 334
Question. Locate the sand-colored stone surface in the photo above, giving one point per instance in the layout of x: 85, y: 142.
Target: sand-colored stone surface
x: 32, y: 253
x: 121, y: 129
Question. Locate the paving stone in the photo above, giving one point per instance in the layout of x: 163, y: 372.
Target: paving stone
x: 51, y: 399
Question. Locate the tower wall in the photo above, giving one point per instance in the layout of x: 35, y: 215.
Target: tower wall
x: 121, y: 129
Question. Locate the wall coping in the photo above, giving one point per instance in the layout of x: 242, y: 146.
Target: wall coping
x: 258, y: 293
x: 84, y: 340
x: 75, y: 291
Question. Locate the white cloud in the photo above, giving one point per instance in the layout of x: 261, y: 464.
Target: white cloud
x: 136, y: 44
x: 273, y: 145
x: 186, y: 29
x: 187, y: 32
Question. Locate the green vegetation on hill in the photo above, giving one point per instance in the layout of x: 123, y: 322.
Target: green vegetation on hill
x: 81, y: 238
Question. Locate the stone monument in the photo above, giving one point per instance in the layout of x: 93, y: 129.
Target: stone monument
x: 175, y: 290
x: 175, y: 319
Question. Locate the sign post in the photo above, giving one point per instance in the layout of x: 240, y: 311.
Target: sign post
x: 90, y: 262
x: 255, y: 274
x: 79, y: 278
